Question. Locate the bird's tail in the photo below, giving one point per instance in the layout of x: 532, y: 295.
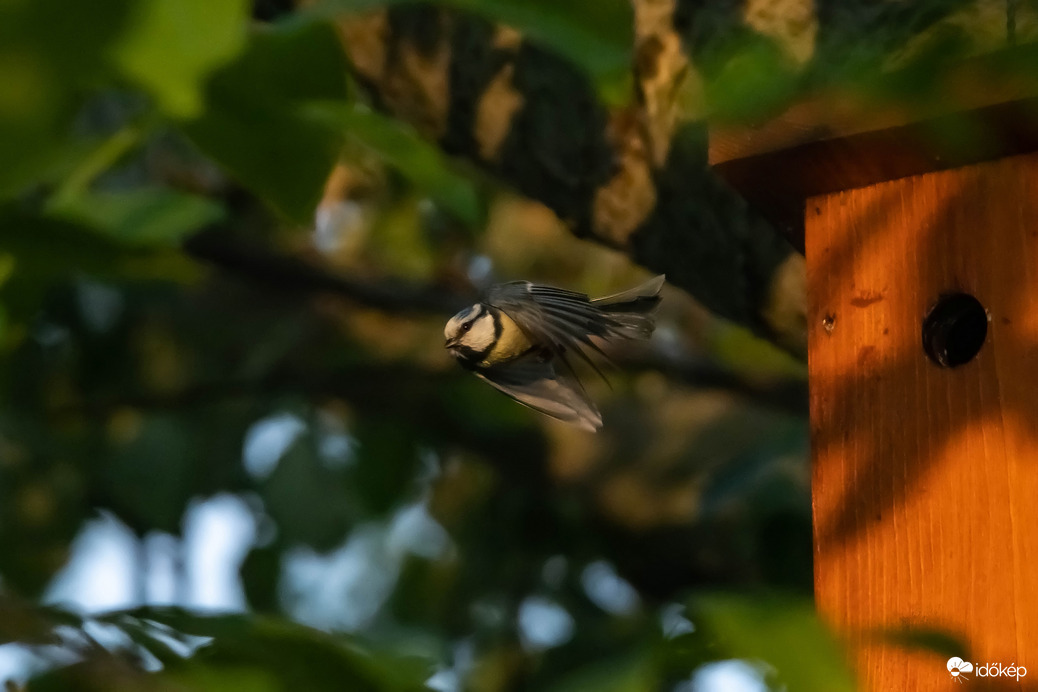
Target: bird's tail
x: 632, y: 310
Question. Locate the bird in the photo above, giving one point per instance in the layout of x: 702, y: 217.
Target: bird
x: 521, y: 336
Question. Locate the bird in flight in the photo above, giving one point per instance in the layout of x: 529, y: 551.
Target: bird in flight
x: 521, y: 336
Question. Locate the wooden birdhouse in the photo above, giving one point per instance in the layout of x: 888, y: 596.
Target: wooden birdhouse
x: 920, y: 228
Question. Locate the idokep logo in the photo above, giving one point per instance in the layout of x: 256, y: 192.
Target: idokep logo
x: 959, y: 670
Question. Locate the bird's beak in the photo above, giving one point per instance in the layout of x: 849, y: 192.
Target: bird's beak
x: 450, y: 343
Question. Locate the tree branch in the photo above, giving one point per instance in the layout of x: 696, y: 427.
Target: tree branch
x: 635, y: 178
x: 223, y: 250
x: 290, y: 274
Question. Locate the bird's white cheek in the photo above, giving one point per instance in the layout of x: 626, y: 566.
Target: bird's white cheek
x: 481, y: 336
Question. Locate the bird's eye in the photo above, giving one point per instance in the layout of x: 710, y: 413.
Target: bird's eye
x: 467, y: 326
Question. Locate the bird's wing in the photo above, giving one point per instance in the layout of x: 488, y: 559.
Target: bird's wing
x: 565, y: 319
x: 534, y: 381
x: 562, y: 320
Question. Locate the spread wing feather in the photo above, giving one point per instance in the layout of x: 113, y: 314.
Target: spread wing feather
x: 533, y: 381
x: 563, y: 322
x: 566, y: 320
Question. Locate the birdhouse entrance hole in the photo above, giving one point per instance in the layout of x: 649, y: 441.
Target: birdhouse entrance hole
x: 924, y: 474
x: 954, y: 330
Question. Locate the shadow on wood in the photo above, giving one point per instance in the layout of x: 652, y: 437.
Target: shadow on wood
x: 925, y: 477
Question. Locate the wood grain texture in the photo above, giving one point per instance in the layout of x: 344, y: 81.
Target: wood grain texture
x: 925, y: 479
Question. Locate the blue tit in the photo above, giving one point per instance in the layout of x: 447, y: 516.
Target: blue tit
x: 520, y: 336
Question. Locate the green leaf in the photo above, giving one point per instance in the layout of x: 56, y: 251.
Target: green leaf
x: 755, y: 79
x: 387, y: 459
x: 402, y: 148
x: 300, y: 479
x: 50, y: 51
x: 172, y: 46
x: 46, y: 251
x: 596, y: 35
x: 299, y: 657
x: 255, y: 125
x: 53, y: 249
x: 92, y: 159
x: 223, y: 679
x: 785, y: 632
x: 153, y: 496
x: 630, y: 674
x: 146, y: 217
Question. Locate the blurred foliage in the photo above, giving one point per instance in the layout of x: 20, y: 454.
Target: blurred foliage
x: 420, y: 162
x: 176, y: 326
x: 596, y: 35
x: 256, y: 124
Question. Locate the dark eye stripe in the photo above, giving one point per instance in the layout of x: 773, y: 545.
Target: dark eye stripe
x: 497, y: 324
x: 476, y: 311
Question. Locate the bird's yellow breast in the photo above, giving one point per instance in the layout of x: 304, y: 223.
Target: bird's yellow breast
x: 512, y: 343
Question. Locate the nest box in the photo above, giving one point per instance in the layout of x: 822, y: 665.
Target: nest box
x: 920, y: 228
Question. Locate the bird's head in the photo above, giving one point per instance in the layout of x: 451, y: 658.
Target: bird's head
x: 470, y: 332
